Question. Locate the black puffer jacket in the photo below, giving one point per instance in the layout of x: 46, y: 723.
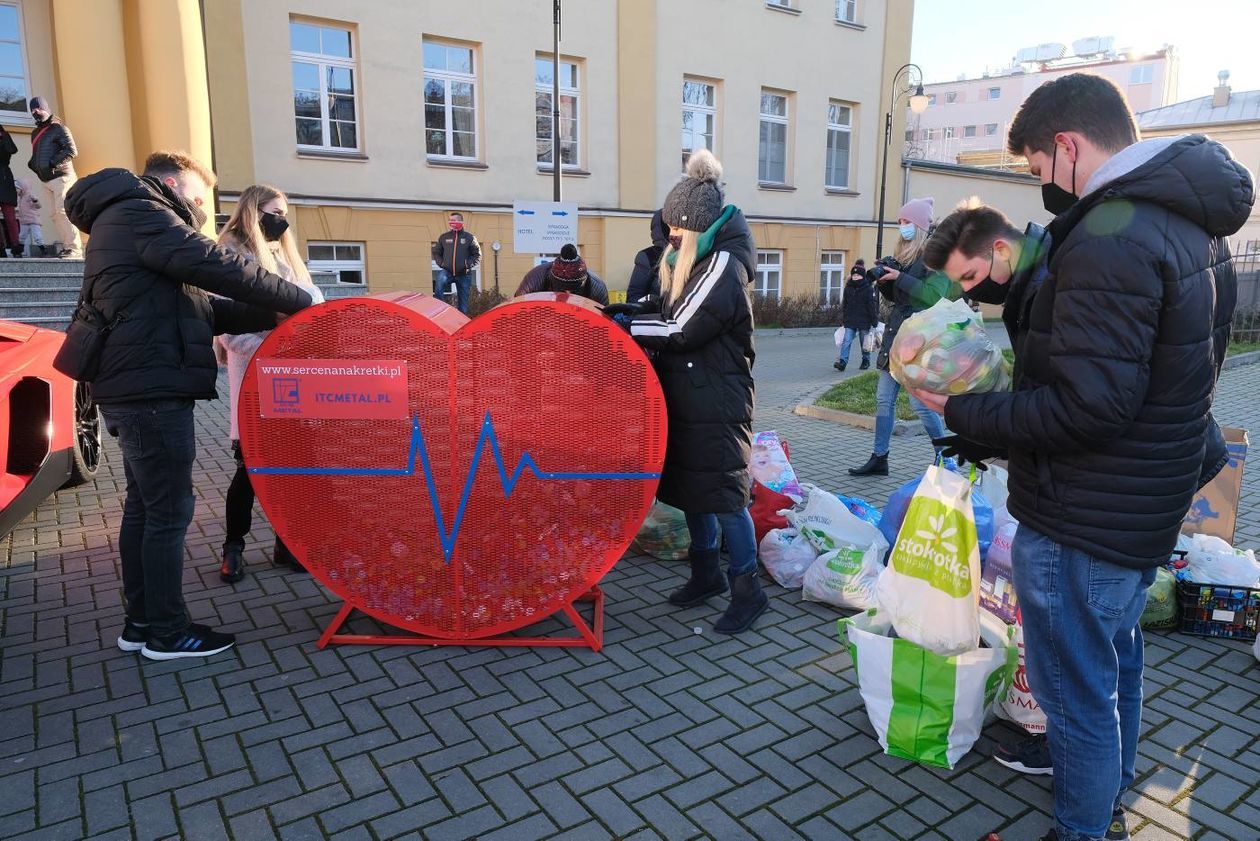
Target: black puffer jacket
x: 644, y: 277
x: 52, y: 150
x: 144, y: 259
x: 704, y: 358
x: 539, y: 279
x: 860, y: 310
x: 1109, y: 429
x: 8, y: 189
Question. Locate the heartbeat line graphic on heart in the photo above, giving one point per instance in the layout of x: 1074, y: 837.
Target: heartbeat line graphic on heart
x: 416, y: 449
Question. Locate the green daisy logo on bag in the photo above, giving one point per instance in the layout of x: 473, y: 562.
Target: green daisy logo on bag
x: 935, y: 545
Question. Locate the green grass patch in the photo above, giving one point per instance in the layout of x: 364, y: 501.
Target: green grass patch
x: 857, y: 395
x: 1236, y: 348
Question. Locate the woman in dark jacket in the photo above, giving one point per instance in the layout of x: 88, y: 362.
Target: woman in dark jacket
x: 644, y: 278
x: 912, y: 289
x: 703, y: 339
x: 860, y: 314
x: 8, y: 196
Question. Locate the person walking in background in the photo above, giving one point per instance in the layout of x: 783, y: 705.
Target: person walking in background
x: 8, y: 197
x: 703, y: 342
x: 456, y: 253
x: 566, y: 273
x: 52, y: 160
x: 30, y: 229
x: 645, y: 277
x: 910, y: 289
x: 149, y: 268
x: 258, y: 231
x: 859, y: 313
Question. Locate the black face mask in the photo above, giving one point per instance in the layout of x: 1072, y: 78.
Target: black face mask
x: 273, y: 225
x: 1053, y: 197
x: 989, y: 291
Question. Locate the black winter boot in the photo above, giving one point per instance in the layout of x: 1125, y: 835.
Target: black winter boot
x: 840, y: 364
x: 706, y: 579
x: 748, y: 601
x: 283, y: 557
x: 232, y: 569
x: 866, y: 362
x: 875, y: 466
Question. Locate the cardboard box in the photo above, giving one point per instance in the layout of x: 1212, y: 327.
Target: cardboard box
x: 1214, y: 510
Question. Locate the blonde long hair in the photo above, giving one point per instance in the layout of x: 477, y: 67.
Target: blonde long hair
x: 244, y: 231
x: 674, y: 281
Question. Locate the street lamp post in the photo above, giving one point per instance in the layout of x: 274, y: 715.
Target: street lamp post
x: 555, y: 102
x: 913, y: 85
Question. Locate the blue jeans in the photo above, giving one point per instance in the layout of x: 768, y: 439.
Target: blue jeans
x: 885, y: 414
x: 463, y: 286
x: 1083, y: 646
x: 847, y: 342
x: 741, y: 538
x: 158, y: 447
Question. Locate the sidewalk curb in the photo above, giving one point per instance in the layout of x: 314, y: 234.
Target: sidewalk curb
x: 807, y: 409
x: 1232, y: 362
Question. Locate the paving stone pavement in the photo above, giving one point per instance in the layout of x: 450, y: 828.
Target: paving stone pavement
x: 664, y: 734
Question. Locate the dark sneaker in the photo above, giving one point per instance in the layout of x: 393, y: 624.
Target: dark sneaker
x: 133, y: 636
x: 193, y: 641
x: 866, y: 363
x: 1052, y: 835
x: 1119, y: 828
x: 1031, y: 756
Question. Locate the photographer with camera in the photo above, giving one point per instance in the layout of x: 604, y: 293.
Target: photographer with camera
x: 910, y: 287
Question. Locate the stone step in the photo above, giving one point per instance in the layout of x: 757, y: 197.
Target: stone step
x: 24, y: 294
x: 40, y: 265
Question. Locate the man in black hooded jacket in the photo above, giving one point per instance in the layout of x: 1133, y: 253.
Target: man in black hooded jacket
x: 645, y: 279
x: 149, y: 266
x: 1107, y: 430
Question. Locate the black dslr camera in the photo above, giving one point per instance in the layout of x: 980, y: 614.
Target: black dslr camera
x: 876, y: 272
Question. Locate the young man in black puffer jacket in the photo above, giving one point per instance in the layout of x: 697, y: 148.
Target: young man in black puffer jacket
x: 52, y: 160
x: 1107, y: 430
x: 149, y: 266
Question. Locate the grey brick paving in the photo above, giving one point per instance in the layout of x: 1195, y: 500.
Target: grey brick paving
x: 664, y: 734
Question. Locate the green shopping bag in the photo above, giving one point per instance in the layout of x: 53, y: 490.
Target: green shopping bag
x: 923, y: 706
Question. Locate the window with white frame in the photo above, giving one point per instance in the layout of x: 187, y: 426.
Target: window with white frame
x: 570, y: 115
x: 846, y: 11
x: 995, y: 93
x: 772, y: 154
x: 990, y: 129
x: 699, y: 117
x: 949, y: 132
x: 1143, y: 74
x: 782, y: 4
x: 951, y: 98
x: 909, y: 135
x: 769, y: 280
x: 931, y: 99
x: 325, y: 96
x: 839, y: 144
x: 343, y: 259
x: 969, y: 131
x: 13, y: 89
x: 450, y: 101
x: 931, y: 133
x: 831, y: 277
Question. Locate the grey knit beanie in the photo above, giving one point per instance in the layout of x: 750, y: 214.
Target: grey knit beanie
x: 696, y: 202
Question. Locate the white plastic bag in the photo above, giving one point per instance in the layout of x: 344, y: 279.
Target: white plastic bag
x: 931, y: 587
x: 786, y: 554
x: 1213, y: 561
x: 868, y: 341
x: 828, y: 523
x: 846, y: 577
x: 1017, y: 705
x: 992, y: 483
x: 839, y: 335
x: 924, y: 707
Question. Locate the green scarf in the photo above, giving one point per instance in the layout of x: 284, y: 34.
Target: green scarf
x: 704, y: 244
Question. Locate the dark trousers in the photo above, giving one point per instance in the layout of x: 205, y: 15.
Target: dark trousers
x: 158, y: 447
x: 240, y: 506
x: 9, y: 214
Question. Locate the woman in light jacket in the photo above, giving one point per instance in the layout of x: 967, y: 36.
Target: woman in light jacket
x: 258, y: 231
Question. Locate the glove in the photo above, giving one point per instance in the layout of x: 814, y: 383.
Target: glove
x: 628, y: 309
x: 967, y: 452
x: 623, y: 320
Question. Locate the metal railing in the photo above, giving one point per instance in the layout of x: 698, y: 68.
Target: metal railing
x: 1247, y: 312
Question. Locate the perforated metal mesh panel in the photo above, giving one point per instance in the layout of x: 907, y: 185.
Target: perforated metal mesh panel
x: 459, y: 549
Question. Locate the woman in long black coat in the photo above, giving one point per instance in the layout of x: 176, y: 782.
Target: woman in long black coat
x: 8, y: 196
x: 703, y: 343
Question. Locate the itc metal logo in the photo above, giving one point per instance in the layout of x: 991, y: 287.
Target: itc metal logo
x: 284, y: 391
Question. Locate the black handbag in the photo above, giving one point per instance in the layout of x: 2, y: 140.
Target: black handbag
x: 79, y: 357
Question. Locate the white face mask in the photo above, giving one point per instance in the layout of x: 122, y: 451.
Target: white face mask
x: 907, y: 231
